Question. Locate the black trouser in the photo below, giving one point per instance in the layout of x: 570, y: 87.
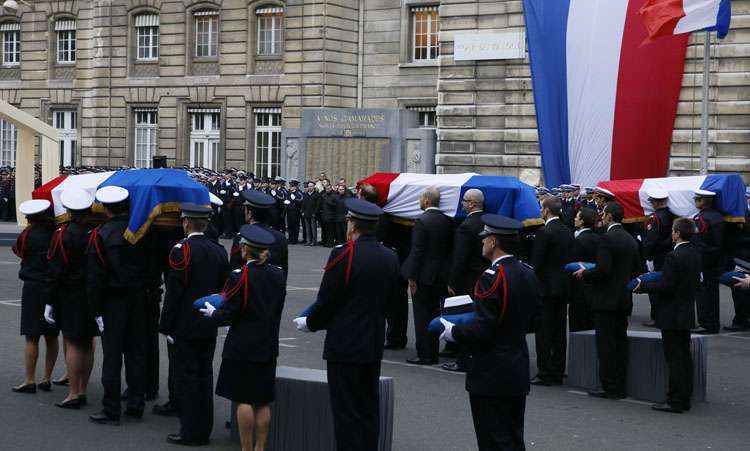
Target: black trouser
x: 612, y: 349
x: 355, y: 402
x: 228, y: 220
x: 310, y: 226
x: 339, y: 232
x: 328, y: 233
x: 171, y: 376
x: 707, y: 300
x: 397, y: 316
x: 680, y: 365
x: 125, y: 331
x: 292, y: 222
x: 152, y: 341
x: 579, y: 313
x: 498, y: 422
x: 741, y: 300
x: 551, y: 343
x: 426, y: 306
x: 195, y: 383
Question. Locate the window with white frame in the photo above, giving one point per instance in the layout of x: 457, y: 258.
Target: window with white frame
x: 65, y: 30
x: 425, y: 33
x: 147, y: 36
x: 205, y: 128
x: 144, y: 144
x: 206, y: 33
x: 10, y: 33
x: 8, y: 142
x: 270, y: 24
x: 427, y: 118
x: 65, y: 121
x: 267, y: 142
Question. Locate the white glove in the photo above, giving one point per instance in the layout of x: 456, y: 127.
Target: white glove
x: 301, y: 324
x: 100, y: 324
x: 208, y: 311
x: 170, y: 340
x: 650, y: 265
x: 48, y: 314
x: 447, y: 334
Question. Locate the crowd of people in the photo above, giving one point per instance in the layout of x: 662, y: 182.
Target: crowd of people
x: 86, y: 280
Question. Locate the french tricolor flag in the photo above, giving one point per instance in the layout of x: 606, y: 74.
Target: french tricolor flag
x: 669, y: 17
x: 605, y: 103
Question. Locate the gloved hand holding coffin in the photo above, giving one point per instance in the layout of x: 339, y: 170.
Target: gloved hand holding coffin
x: 215, y: 300
x: 575, y: 266
x: 456, y: 310
x: 741, y: 270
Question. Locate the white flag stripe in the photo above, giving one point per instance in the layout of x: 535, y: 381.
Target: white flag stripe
x: 699, y: 14
x: 680, y: 190
x: 88, y: 182
x: 404, y: 192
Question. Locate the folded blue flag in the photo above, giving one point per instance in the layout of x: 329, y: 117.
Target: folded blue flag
x: 215, y: 299
x: 575, y: 266
x: 436, y: 327
x: 728, y: 278
x: 648, y: 277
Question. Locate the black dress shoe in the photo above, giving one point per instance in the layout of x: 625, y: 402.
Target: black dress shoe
x: 168, y: 409
x: 61, y: 382
x: 176, y: 439
x: 133, y: 413
x: 664, y: 407
x: 545, y: 382
x: 394, y: 346
x: 649, y: 324
x: 606, y: 395
x: 453, y: 366
x: 420, y: 361
x: 737, y: 327
x: 27, y: 388
x: 103, y: 418
x: 45, y: 386
x: 703, y: 331
x: 70, y: 404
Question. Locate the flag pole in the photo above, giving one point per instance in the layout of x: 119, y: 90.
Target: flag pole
x: 704, y: 103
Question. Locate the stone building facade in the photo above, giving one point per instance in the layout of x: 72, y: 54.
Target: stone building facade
x: 226, y: 83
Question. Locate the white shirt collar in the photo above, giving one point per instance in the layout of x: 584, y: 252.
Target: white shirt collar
x: 680, y: 243
x: 195, y: 234
x: 501, y: 258
x: 551, y: 219
x: 433, y: 208
x: 613, y: 225
x: 478, y: 211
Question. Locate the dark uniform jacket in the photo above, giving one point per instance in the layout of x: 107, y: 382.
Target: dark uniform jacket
x: 468, y: 262
x: 255, y: 320
x: 586, y: 246
x: 67, y: 254
x: 710, y: 236
x: 497, y: 338
x: 551, y: 252
x: 658, y: 241
x: 617, y: 262
x: 198, y: 268
x: 310, y: 204
x: 115, y: 267
x: 31, y: 247
x: 431, y: 245
x: 679, y: 281
x: 351, y: 303
x: 278, y: 252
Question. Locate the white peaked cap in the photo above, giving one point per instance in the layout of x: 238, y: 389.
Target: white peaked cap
x: 34, y: 206
x: 111, y: 194
x: 77, y: 199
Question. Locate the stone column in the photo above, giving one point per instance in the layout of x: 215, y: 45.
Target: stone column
x: 24, y: 168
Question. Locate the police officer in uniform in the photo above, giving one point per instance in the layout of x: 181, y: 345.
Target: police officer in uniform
x: 359, y: 280
x: 506, y: 302
x: 681, y: 270
x: 198, y: 268
x: 253, y: 307
x: 117, y: 299
x: 293, y: 211
x: 709, y: 240
x: 257, y: 211
x: 658, y: 241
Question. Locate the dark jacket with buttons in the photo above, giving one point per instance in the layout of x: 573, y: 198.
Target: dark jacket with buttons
x: 551, y: 252
x: 710, y: 236
x: 31, y: 247
x: 431, y: 245
x: 658, y: 241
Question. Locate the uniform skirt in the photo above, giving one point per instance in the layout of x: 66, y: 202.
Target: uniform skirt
x: 33, y: 300
x: 247, y: 382
x: 72, y: 313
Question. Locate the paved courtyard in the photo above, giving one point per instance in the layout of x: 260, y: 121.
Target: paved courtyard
x: 432, y: 408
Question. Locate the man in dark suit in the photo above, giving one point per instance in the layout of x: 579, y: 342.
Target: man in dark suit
x: 426, y: 270
x: 506, y: 301
x: 258, y: 207
x: 359, y: 280
x: 585, y: 247
x: 310, y: 212
x: 468, y: 262
x: 617, y: 261
x: 709, y: 239
x: 681, y: 272
x: 658, y: 241
x: 551, y: 252
x: 198, y: 268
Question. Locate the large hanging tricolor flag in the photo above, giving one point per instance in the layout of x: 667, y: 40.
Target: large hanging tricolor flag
x: 633, y: 195
x: 152, y: 192
x: 670, y: 17
x: 398, y: 194
x: 605, y: 104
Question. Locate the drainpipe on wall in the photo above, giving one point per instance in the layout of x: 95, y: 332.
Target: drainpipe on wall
x: 361, y: 56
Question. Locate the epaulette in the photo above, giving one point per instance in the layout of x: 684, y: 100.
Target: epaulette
x: 339, y: 246
x: 177, y: 246
x: 490, y: 271
x: 238, y: 270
